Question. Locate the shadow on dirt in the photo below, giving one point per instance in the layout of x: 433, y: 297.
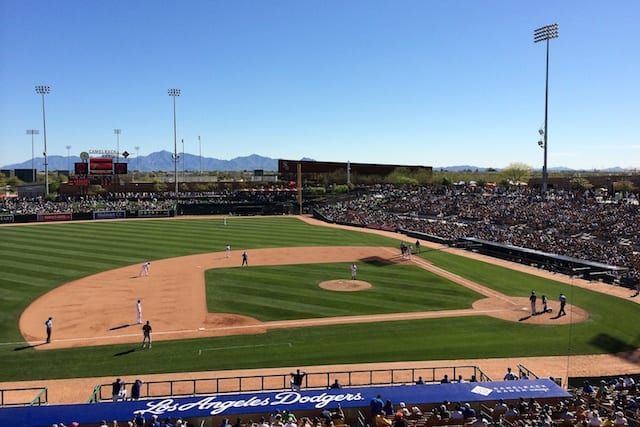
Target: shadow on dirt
x: 25, y: 347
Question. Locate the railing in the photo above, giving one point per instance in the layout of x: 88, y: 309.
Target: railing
x: 524, y: 370
x: 23, y: 396
x: 95, y: 396
x: 316, y: 380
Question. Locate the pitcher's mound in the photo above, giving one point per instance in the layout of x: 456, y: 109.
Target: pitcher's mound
x: 345, y: 285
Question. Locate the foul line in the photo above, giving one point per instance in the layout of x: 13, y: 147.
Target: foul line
x: 243, y: 346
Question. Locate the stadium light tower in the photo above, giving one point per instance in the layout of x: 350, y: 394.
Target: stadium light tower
x: 137, y: 147
x: 183, y: 169
x: 68, y: 147
x: 117, y: 132
x: 200, y: 149
x: 33, y: 153
x: 44, y: 90
x: 173, y: 93
x: 545, y: 33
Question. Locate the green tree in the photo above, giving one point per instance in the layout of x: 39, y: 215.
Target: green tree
x: 517, y: 173
x: 581, y: 184
x: 624, y: 186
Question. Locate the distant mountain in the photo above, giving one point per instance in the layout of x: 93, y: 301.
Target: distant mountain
x: 163, y: 161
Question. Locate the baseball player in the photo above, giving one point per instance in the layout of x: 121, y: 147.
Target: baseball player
x: 533, y: 299
x: 139, y: 312
x: 563, y: 303
x: 354, y: 271
x: 49, y: 325
x: 245, y: 259
x: 228, y: 250
x: 146, y: 335
x: 144, y: 270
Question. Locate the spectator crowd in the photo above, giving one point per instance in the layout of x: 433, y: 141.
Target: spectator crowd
x: 564, y: 223
x: 578, y: 225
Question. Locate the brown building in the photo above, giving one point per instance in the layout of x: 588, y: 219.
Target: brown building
x: 313, y: 170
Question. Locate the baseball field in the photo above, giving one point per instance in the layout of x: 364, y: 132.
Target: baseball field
x: 294, y: 305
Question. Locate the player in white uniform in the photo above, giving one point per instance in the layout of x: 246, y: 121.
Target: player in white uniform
x: 139, y: 312
x: 144, y: 270
x: 354, y: 271
x: 228, y: 250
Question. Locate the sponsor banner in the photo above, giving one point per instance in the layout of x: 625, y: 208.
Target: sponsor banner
x: 307, y: 401
x: 59, y: 216
x: 153, y: 213
x: 109, y: 214
x: 6, y: 219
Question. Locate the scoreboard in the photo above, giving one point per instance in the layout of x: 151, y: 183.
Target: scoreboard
x: 85, y: 181
x: 100, y: 166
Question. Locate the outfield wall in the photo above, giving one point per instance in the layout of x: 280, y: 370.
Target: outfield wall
x: 212, y: 408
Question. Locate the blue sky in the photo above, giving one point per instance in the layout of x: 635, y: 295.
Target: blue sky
x: 434, y: 83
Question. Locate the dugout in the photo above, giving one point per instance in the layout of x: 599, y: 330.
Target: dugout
x: 570, y: 266
x: 209, y: 410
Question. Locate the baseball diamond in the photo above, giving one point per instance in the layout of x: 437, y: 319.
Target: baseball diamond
x: 95, y: 313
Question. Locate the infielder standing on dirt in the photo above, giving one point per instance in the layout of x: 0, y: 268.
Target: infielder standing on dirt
x: 245, y: 259
x: 139, y: 312
x: 144, y: 269
x: 532, y: 299
x: 563, y: 303
x: 228, y: 250
x: 49, y: 325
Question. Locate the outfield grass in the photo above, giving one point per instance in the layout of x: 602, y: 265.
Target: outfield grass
x: 35, y: 259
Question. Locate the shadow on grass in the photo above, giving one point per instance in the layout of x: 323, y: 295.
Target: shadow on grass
x: 124, y: 352
x: 25, y: 347
x: 611, y: 344
x: 377, y: 261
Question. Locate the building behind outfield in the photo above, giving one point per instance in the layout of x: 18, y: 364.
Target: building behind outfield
x: 313, y: 171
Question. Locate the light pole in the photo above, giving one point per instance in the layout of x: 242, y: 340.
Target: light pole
x: 117, y: 132
x: 183, y: 169
x: 173, y: 93
x: 137, y: 147
x: 545, y: 33
x: 68, y: 147
x: 44, y: 90
x: 200, y: 152
x: 33, y: 154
